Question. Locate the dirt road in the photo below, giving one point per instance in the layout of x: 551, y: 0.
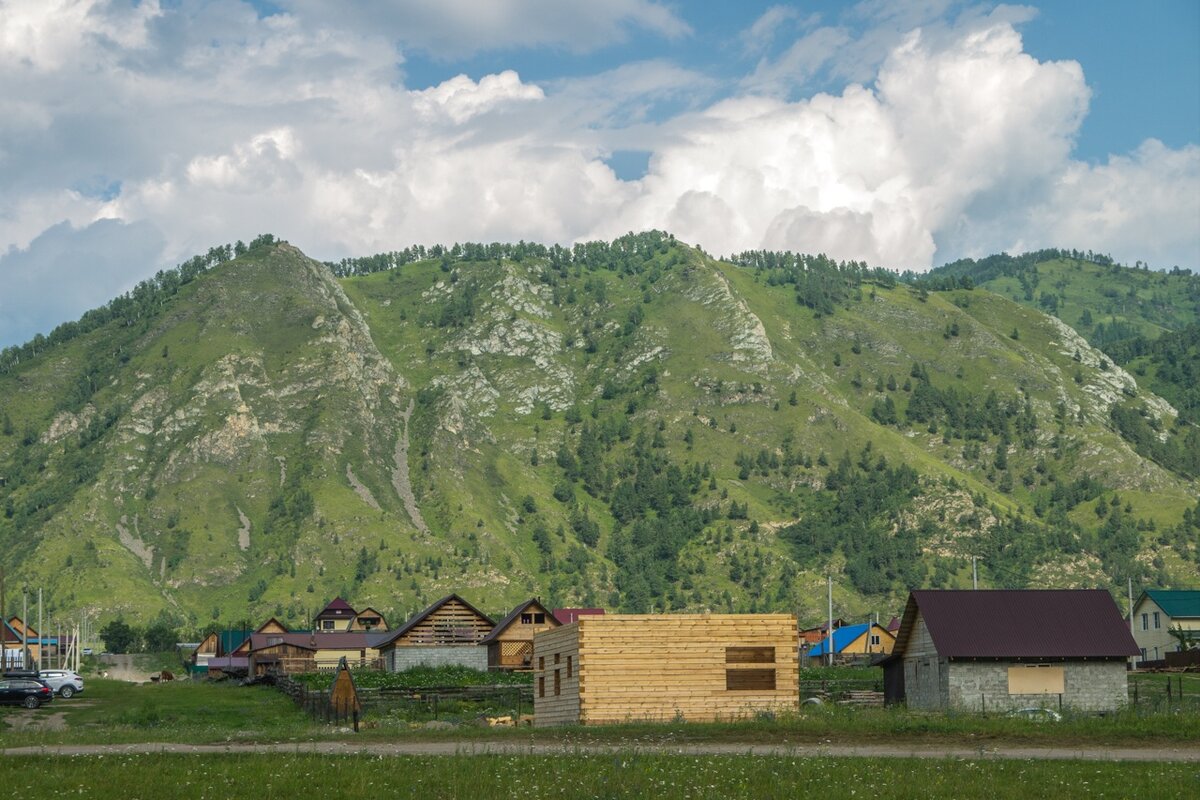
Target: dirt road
x: 449, y: 748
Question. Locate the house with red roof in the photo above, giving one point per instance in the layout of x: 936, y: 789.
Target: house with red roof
x: 1001, y: 649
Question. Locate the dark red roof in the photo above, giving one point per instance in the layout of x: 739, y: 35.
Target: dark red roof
x: 1019, y: 623
x: 337, y: 608
x: 568, y: 615
x: 893, y: 625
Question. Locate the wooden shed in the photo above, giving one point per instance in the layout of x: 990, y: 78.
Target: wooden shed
x: 510, y: 644
x: 447, y: 632
x: 632, y: 667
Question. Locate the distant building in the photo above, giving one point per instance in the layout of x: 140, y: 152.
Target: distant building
x: 810, y: 636
x: 860, y: 641
x: 1003, y: 649
x: 510, y: 644
x: 1156, y: 612
x: 568, y: 615
x: 447, y: 632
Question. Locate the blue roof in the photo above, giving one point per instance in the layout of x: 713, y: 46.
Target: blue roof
x: 841, y: 638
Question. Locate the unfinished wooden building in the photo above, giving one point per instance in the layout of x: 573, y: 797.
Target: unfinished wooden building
x: 510, y: 644
x: 629, y: 668
x: 447, y: 632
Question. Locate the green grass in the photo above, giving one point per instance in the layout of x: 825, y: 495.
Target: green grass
x: 619, y: 775
x: 114, y: 712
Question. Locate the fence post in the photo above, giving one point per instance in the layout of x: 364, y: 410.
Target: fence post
x: 355, y: 714
x: 1135, y: 692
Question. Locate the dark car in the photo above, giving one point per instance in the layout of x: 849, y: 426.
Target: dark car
x: 28, y: 692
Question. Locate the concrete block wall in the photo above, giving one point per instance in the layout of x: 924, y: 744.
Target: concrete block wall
x: 399, y: 659
x: 1089, y: 686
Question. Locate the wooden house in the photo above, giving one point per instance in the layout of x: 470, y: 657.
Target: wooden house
x: 810, y: 636
x: 854, y: 643
x: 209, y: 648
x: 447, y: 632
x: 337, y: 616
x: 291, y: 653
x: 1156, y: 613
x: 17, y: 636
x: 510, y: 644
x: 998, y: 649
x: 368, y: 620
x: 703, y: 667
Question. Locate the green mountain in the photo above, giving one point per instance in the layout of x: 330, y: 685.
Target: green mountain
x: 630, y: 424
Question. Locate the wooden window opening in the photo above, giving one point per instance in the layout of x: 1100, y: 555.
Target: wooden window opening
x: 541, y: 686
x: 749, y: 655
x: 569, y: 666
x: 557, y: 683
x: 541, y: 663
x: 744, y: 680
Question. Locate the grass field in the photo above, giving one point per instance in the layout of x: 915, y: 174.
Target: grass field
x: 114, y: 712
x: 622, y: 775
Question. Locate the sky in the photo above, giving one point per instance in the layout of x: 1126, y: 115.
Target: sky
x: 903, y: 133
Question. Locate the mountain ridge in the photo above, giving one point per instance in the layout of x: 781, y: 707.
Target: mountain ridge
x: 631, y: 424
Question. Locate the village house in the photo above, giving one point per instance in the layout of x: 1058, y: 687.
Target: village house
x: 16, y: 636
x: 447, y: 632
x: 854, y: 643
x: 569, y: 615
x: 1159, y: 611
x: 701, y: 667
x: 811, y: 636
x: 510, y: 644
x: 992, y: 650
x: 292, y: 653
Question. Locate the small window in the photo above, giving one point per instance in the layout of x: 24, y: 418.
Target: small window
x: 527, y: 619
x: 557, y: 682
x: 1143, y: 654
x: 569, y: 666
x: 875, y: 639
x: 327, y: 624
x: 539, y: 619
x: 749, y: 655
x: 1157, y: 621
x: 558, y: 658
x: 541, y: 663
x: 542, y: 686
x: 749, y: 680
x: 1145, y: 622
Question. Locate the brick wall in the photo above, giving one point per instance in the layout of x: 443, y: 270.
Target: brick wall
x: 398, y: 659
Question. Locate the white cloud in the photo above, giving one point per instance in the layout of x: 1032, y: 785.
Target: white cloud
x: 461, y: 98
x: 204, y: 123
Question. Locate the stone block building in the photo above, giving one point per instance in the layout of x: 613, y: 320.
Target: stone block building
x: 995, y: 650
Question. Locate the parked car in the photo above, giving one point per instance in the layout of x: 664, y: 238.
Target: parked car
x: 63, y: 681
x: 28, y: 692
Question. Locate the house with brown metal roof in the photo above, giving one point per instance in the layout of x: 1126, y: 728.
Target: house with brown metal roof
x: 337, y: 616
x: 447, y: 632
x: 991, y: 650
x: 510, y: 644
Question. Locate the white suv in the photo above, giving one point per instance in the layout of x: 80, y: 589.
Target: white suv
x: 63, y: 681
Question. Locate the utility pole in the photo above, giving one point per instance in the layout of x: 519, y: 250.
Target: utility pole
x: 3, y: 627
x: 974, y: 573
x: 41, y: 633
x: 829, y: 640
x: 1131, y: 612
x: 24, y: 630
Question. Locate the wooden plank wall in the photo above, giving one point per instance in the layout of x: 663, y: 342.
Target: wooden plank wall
x: 645, y: 667
x: 548, y: 708
x: 451, y: 624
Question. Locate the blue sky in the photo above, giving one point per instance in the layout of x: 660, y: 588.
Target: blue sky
x: 904, y: 133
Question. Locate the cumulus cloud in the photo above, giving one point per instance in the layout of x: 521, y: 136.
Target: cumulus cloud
x: 200, y: 123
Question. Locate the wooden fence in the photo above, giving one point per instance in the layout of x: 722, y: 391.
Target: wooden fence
x: 433, y: 702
